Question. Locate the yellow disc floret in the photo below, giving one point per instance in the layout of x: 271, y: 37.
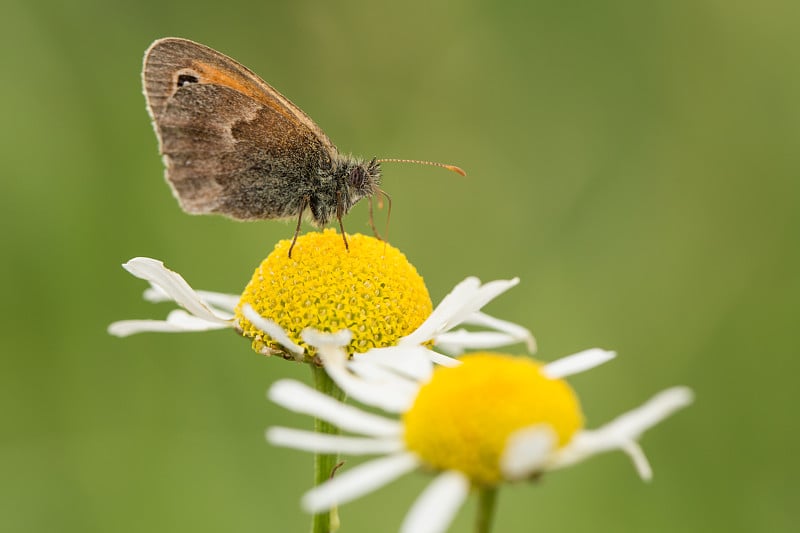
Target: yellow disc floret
x: 372, y: 290
x: 462, y: 418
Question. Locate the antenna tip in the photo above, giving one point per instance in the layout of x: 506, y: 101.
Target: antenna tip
x: 457, y: 170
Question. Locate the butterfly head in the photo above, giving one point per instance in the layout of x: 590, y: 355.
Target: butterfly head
x: 363, y: 179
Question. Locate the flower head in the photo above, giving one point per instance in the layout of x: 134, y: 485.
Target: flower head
x: 492, y: 419
x: 372, y: 291
x: 501, y: 394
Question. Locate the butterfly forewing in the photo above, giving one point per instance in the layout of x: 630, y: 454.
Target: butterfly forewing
x: 232, y: 144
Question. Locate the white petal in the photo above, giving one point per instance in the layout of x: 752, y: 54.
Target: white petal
x: 124, y: 328
x: 435, y: 508
x: 379, y: 374
x: 485, y: 294
x: 221, y: 300
x: 627, y: 428
x: 301, y: 398
x: 178, y: 321
x: 518, y: 332
x: 460, y: 340
x: 381, y: 386
x: 465, y: 299
x: 390, y: 393
x: 577, y: 363
x: 441, y: 359
x: 375, y: 386
x: 187, y: 322
x: 412, y: 361
x: 527, y: 451
x: 218, y: 300
x: 632, y: 424
x: 155, y: 294
x: 457, y: 297
x: 311, y: 441
x: 272, y: 329
x: 174, y: 285
x: 360, y: 480
x: 639, y: 460
x: 320, y: 339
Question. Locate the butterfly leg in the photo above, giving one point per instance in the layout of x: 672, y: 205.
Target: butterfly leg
x: 372, y: 220
x: 339, y: 215
x: 303, y: 205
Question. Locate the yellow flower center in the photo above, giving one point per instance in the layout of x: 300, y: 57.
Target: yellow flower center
x: 462, y: 418
x: 372, y: 290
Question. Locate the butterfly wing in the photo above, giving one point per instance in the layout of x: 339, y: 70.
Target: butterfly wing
x: 231, y: 143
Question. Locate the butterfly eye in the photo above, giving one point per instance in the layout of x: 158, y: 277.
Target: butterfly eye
x: 358, y: 177
x: 185, y: 79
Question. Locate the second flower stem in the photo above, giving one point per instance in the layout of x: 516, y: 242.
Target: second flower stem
x: 325, y: 464
x: 487, y: 501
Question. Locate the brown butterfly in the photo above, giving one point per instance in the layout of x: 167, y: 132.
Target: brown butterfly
x: 235, y: 146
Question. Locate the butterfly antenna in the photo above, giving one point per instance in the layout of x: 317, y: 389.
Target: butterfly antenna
x: 457, y: 170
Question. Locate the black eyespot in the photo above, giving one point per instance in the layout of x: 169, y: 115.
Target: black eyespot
x: 184, y: 79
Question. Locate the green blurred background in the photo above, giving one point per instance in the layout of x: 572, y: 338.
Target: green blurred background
x: 635, y: 163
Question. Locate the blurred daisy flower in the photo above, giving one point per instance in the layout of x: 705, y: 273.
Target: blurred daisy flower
x: 372, y: 290
x: 491, y: 419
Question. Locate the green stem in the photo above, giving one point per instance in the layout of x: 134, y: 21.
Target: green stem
x: 324, y: 464
x: 487, y: 498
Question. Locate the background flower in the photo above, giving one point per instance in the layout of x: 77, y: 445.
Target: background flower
x: 490, y: 420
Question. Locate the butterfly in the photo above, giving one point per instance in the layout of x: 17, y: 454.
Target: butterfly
x: 235, y: 146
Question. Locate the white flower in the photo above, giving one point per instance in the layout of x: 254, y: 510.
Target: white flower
x: 461, y: 306
x: 438, y: 411
x: 203, y: 310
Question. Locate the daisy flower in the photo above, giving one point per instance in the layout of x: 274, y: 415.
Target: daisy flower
x: 492, y: 419
x: 372, y: 290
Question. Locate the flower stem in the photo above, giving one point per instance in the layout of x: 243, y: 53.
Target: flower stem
x: 487, y: 498
x: 325, y: 464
